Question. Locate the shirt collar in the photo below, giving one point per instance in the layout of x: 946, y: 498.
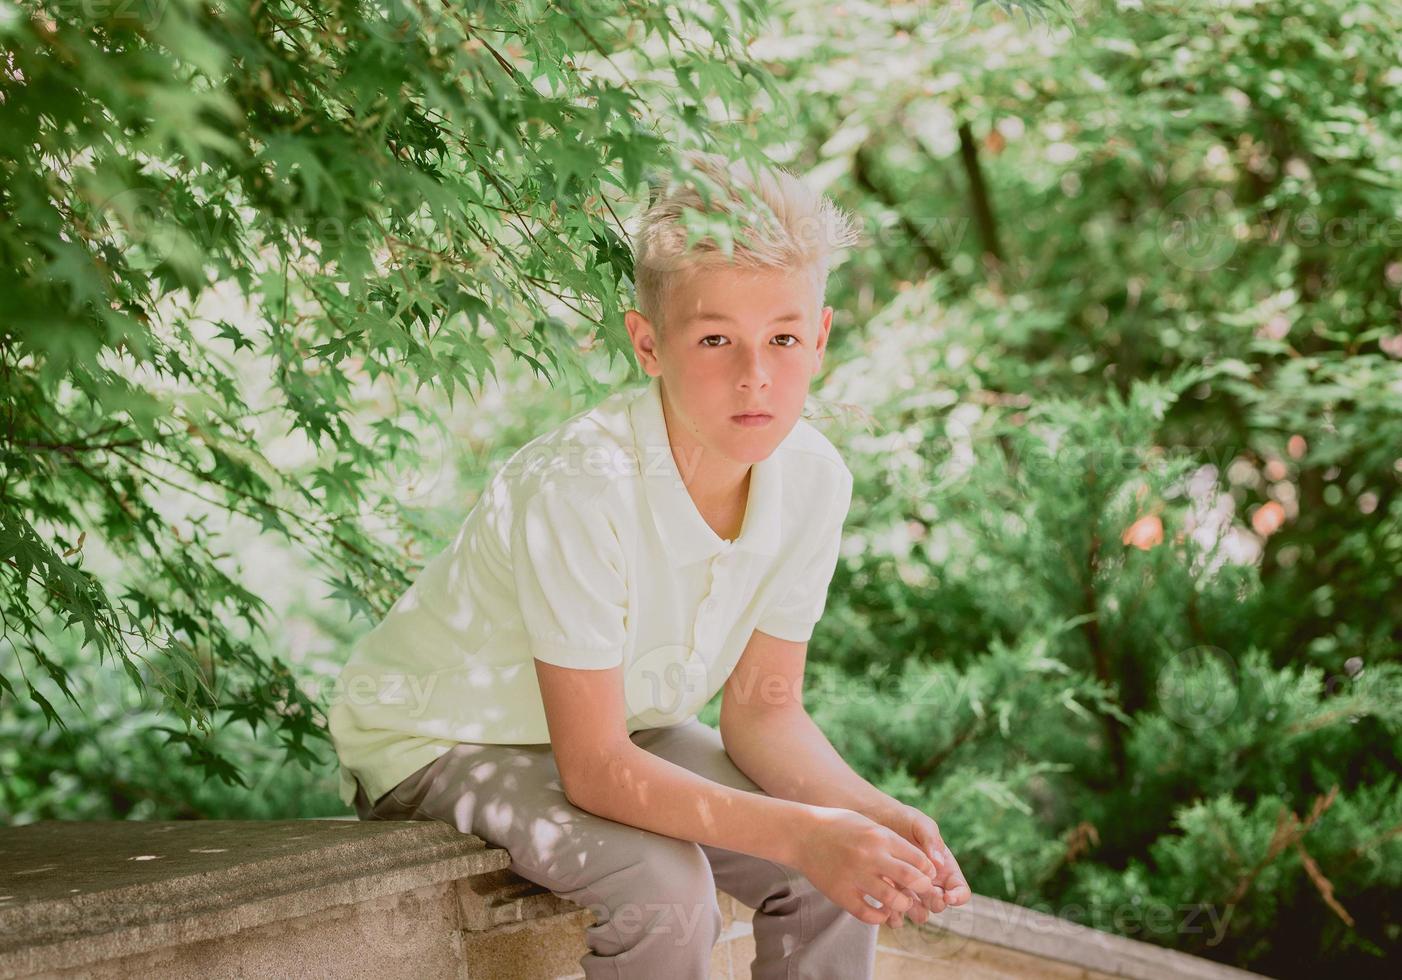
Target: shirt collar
x: 684, y: 532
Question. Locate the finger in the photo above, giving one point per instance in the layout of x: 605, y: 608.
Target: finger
x: 918, y: 912
x: 863, y: 910
x: 931, y: 832
x: 895, y: 919
x: 904, y: 850
x: 921, y: 899
x: 907, y: 855
x: 931, y: 841
x: 956, y: 887
x: 892, y: 899
x: 957, y: 893
x: 905, y: 875
x: 930, y: 902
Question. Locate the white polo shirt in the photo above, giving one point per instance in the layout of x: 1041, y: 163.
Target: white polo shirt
x: 586, y: 550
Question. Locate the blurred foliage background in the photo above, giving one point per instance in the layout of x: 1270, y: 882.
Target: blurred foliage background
x: 1118, y: 372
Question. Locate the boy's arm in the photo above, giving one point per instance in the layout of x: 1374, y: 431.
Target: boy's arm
x: 769, y: 735
x: 602, y: 771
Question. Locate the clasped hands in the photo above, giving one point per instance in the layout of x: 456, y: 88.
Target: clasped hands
x: 950, y: 887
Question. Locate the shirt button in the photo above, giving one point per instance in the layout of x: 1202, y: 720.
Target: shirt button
x: 708, y: 604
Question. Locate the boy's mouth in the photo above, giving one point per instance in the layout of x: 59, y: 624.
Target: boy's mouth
x: 753, y: 418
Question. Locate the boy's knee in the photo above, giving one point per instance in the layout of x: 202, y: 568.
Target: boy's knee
x: 668, y: 893
x: 677, y: 872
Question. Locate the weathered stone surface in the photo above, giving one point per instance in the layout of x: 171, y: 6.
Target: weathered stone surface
x: 987, y: 938
x: 503, y: 897
x: 343, y: 898
x: 537, y: 949
x: 76, y: 892
x: 408, y: 934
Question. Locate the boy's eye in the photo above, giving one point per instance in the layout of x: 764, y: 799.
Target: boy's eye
x: 716, y: 336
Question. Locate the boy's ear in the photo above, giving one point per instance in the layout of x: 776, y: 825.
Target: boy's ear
x: 824, y: 328
x: 644, y: 339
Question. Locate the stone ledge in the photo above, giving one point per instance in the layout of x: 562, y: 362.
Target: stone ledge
x: 79, y: 891
x: 344, y: 898
x: 987, y: 929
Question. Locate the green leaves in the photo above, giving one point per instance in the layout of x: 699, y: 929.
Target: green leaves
x: 234, y: 239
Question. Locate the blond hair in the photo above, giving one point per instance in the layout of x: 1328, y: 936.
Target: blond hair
x: 777, y: 221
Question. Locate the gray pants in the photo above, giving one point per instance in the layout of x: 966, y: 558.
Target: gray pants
x: 654, y: 896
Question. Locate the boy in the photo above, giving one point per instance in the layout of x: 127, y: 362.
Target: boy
x: 538, y: 685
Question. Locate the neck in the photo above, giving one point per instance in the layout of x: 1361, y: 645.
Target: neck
x: 714, y: 482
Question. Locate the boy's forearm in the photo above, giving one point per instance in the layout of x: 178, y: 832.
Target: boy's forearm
x: 644, y: 790
x: 788, y: 756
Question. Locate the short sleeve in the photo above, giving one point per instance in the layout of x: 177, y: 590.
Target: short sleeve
x: 799, y: 607
x: 571, y: 581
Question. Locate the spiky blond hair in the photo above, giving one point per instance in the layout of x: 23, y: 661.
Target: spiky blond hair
x: 780, y: 223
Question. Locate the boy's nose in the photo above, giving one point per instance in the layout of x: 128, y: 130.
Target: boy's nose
x: 752, y: 372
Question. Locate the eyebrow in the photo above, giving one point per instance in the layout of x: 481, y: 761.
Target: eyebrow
x: 722, y: 318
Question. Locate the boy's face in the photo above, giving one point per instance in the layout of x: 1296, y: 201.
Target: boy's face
x: 735, y: 341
